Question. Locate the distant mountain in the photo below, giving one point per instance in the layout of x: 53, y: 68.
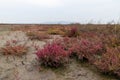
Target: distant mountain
x: 58, y: 22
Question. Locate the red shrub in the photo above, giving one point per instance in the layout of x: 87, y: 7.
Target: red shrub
x: 73, y: 32
x: 83, y: 48
x: 67, y: 43
x: 52, y: 55
x: 110, y: 61
x: 87, y: 49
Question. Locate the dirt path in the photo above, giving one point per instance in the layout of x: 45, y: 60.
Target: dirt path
x: 27, y: 68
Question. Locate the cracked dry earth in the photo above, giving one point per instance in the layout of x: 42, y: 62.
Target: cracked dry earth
x: 27, y: 68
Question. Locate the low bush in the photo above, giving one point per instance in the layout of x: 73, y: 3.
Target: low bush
x: 52, y: 55
x: 82, y: 48
x: 109, y: 62
x: 86, y: 49
x: 37, y: 35
x: 55, y: 31
x: 13, y: 48
x: 111, y: 40
x: 72, y: 32
x: 67, y: 43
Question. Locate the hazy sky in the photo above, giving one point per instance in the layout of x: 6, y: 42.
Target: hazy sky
x: 40, y: 11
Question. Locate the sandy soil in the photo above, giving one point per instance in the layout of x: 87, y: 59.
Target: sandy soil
x: 27, y: 68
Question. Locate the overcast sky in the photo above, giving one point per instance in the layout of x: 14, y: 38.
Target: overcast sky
x: 40, y: 11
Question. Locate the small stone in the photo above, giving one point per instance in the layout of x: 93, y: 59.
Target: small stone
x: 29, y: 68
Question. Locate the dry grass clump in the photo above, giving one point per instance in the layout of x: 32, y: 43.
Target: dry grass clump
x: 36, y: 35
x: 14, y: 48
x: 111, y: 40
x: 109, y: 62
x: 55, y: 31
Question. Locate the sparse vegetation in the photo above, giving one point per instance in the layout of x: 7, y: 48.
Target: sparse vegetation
x: 72, y: 32
x: 55, y: 31
x: 109, y: 61
x: 36, y: 35
x: 13, y: 47
x: 98, y: 44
